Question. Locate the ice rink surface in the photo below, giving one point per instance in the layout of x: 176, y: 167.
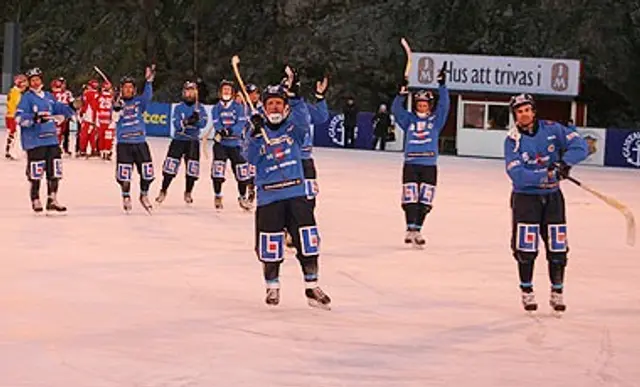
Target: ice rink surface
x: 101, y: 299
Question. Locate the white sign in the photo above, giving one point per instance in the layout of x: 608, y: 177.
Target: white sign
x: 596, y: 143
x: 505, y: 74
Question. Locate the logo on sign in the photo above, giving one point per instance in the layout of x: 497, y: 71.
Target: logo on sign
x: 592, y: 140
x: 560, y: 76
x: 631, y: 149
x: 425, y: 70
x: 154, y: 119
x: 336, y: 129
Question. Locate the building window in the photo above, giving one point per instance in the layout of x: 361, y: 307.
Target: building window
x: 486, y: 115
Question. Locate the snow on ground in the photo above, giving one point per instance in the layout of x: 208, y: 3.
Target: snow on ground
x: 100, y: 299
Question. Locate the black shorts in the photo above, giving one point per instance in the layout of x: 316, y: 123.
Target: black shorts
x: 419, y: 184
x: 294, y: 215
x: 239, y: 165
x: 44, y: 160
x: 129, y: 154
x: 179, y: 149
x: 535, y: 216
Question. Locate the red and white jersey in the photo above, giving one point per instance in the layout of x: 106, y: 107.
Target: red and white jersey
x: 89, y: 110
x: 62, y: 96
x: 105, y: 107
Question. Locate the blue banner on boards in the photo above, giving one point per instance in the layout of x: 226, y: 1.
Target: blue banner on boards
x: 622, y: 148
x: 332, y: 134
x: 157, y: 119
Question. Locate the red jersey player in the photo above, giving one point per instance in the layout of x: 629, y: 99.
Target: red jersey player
x: 88, y: 115
x: 62, y: 95
x: 106, y: 126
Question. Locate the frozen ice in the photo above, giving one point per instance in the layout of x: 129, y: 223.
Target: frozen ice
x: 99, y: 298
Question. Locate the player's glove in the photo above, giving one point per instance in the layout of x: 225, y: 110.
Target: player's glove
x: 560, y: 169
x: 41, y: 118
x: 192, y: 119
x: 442, y: 75
x: 293, y: 82
x: 321, y: 88
x: 226, y: 132
x: 118, y: 105
x: 257, y: 124
x: 403, y: 87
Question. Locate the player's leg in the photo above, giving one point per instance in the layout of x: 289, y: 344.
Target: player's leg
x: 11, y: 134
x: 554, y: 234
x: 218, y: 170
x: 93, y: 140
x: 410, y: 205
x: 301, y: 224
x: 526, y: 211
x: 124, y: 171
x: 170, y: 167
x: 241, y: 171
x: 428, y: 177
x: 36, y: 166
x: 251, y: 187
x: 144, y: 165
x: 310, y: 181
x: 192, y: 160
x: 84, y: 138
x: 65, y: 137
x: 269, y: 246
x: 53, y: 158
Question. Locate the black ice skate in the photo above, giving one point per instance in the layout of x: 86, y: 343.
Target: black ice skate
x: 251, y: 189
x: 244, y: 203
x: 53, y: 206
x: 408, y: 237
x: 557, y: 302
x: 8, y: 156
x: 161, y: 196
x: 317, y: 298
x: 188, y: 198
x: 126, y: 204
x: 146, y: 203
x: 529, y: 301
x: 273, y: 296
x: 218, y: 202
x: 418, y: 240
x: 36, y: 205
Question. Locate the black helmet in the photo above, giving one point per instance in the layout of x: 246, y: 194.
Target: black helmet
x: 189, y: 85
x: 274, y: 91
x: 252, y: 87
x: 423, y: 95
x: 34, y: 72
x: 226, y: 82
x: 521, y: 99
x: 127, y: 79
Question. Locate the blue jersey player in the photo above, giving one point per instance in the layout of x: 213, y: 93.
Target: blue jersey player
x: 538, y: 155
x: 420, y: 172
x: 274, y: 147
x: 131, y: 134
x: 229, y: 120
x: 35, y: 115
x: 189, y: 118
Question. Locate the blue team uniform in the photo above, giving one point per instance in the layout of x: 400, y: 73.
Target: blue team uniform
x: 422, y: 134
x: 279, y: 174
x: 528, y: 157
x: 35, y: 135
x: 130, y: 128
x: 318, y: 114
x: 229, y: 115
x: 188, y: 132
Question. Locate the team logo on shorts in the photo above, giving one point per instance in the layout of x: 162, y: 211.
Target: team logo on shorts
x: 36, y: 170
x: 123, y: 172
x: 528, y: 237
x: 171, y: 166
x: 252, y: 170
x: 147, y: 171
x: 271, y: 246
x: 311, y: 188
x: 57, y: 168
x: 193, y: 168
x: 218, y: 169
x: 409, y: 193
x: 242, y: 171
x: 558, y: 238
x: 427, y: 192
x: 310, y: 240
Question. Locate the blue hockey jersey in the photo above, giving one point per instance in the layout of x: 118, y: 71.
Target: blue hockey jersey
x: 318, y: 114
x: 188, y: 132
x: 528, y: 156
x: 229, y: 115
x: 42, y: 104
x: 422, y: 134
x: 130, y: 126
x: 279, y: 174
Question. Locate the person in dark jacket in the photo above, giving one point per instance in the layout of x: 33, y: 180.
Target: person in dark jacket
x: 350, y: 112
x: 381, y: 125
x: 203, y: 91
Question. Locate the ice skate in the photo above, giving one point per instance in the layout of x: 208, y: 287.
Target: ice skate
x: 529, y: 301
x: 418, y: 239
x: 245, y: 204
x: 126, y: 204
x: 408, y: 237
x: 251, y: 190
x: 316, y: 298
x: 273, y: 296
x: 54, y: 207
x: 36, y: 205
x: 188, y: 198
x: 108, y: 156
x: 146, y: 203
x: 9, y: 156
x: 218, y: 202
x: 556, y: 301
x: 161, y: 196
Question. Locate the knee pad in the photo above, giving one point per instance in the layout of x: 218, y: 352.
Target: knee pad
x: 410, y: 193
x: 147, y: 171
x: 125, y: 185
x: 218, y: 169
x: 527, y: 238
x: 271, y: 246
x: 559, y: 259
x: 557, y: 238
x: 123, y: 172
x: 311, y: 188
x: 193, y: 168
x: 242, y: 172
x: 36, y: 170
x: 171, y: 166
x: 309, y: 241
x: 427, y: 194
